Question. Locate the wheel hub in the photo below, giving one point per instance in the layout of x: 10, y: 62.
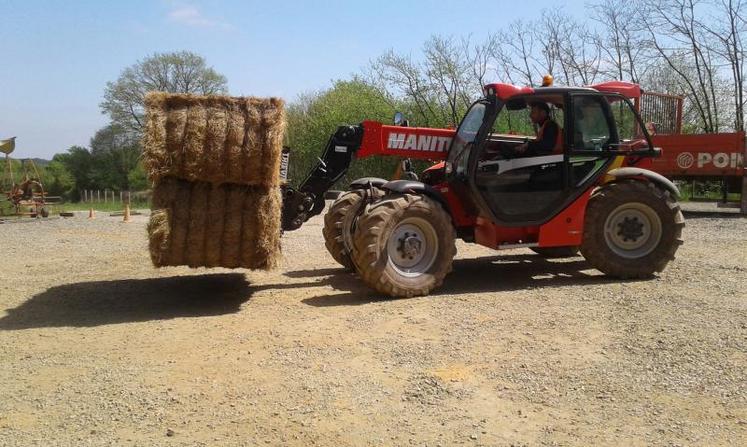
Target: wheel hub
x: 630, y: 229
x: 412, y: 247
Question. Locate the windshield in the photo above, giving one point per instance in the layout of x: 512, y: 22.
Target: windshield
x: 465, y: 137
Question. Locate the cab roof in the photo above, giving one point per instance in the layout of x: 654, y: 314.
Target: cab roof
x: 504, y: 92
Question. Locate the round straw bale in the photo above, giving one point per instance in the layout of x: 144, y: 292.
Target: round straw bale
x: 230, y: 252
x: 216, y: 213
x: 164, y: 193
x: 253, y: 169
x: 215, y: 141
x: 234, y: 143
x: 267, y: 234
x: 180, y: 223
x: 158, y: 237
x: 249, y: 227
x: 194, y: 140
x: 155, y: 153
x: 198, y: 206
x: 176, y: 122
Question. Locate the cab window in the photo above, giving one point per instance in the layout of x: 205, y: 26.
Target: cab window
x: 514, y: 119
x: 465, y: 137
x: 591, y: 128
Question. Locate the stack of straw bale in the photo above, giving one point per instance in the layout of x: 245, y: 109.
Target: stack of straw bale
x: 215, y: 165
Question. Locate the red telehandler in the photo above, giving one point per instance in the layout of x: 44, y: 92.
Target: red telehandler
x: 593, y: 194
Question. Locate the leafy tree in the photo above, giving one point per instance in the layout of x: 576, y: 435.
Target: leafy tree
x: 138, y: 178
x: 313, y: 118
x: 57, y: 180
x: 115, y: 152
x: 178, y: 72
x: 79, y: 163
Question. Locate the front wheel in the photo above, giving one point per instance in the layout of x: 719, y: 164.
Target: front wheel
x: 632, y: 229
x: 404, y: 245
x: 340, y: 221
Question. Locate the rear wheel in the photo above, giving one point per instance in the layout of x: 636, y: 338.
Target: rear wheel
x: 632, y: 229
x: 339, y: 223
x: 404, y: 245
x: 556, y: 252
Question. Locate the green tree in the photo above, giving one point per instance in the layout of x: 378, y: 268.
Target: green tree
x: 57, y: 180
x: 79, y: 163
x: 138, y: 178
x: 313, y: 118
x: 178, y: 72
x: 115, y: 152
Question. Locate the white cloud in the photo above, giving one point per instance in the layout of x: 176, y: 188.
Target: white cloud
x: 191, y: 16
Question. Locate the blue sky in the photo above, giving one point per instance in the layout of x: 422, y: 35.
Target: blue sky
x: 58, y: 55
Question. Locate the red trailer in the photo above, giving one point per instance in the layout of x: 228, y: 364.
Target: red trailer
x: 719, y: 156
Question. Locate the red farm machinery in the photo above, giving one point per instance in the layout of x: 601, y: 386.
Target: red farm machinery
x: 26, y: 197
x: 592, y: 191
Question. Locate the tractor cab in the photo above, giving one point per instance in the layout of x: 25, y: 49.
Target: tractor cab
x: 518, y: 174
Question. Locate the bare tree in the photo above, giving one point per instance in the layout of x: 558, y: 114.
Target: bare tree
x: 447, y: 71
x: 575, y: 48
x: 729, y: 26
x: 181, y: 72
x: 519, y: 54
x: 672, y: 30
x: 401, y: 76
x: 620, y: 38
x: 482, y: 58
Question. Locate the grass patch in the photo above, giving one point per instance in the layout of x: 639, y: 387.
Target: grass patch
x: 104, y: 207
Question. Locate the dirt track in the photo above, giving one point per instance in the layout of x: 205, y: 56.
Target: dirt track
x: 98, y: 348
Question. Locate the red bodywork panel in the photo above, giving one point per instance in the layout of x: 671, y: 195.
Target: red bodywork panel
x: 506, y: 91
x: 708, y: 155
x: 627, y: 89
x: 563, y: 230
x: 422, y: 143
x: 459, y: 215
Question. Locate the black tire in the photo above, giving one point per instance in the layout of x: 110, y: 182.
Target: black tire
x: 339, y: 223
x: 556, y: 252
x: 402, y: 267
x: 44, y: 212
x: 632, y: 229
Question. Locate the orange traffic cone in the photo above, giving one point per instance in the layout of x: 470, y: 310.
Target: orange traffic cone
x: 91, y: 213
x: 126, y: 213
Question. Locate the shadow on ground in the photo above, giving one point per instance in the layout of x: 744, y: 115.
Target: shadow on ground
x: 710, y: 214
x: 479, y: 275
x: 97, y: 303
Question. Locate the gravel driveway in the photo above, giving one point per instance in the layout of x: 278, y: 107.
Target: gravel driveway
x: 99, y: 348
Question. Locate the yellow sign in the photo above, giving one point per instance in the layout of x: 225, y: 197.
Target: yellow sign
x: 7, y: 146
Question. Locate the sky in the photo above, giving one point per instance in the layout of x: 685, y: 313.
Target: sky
x: 57, y: 56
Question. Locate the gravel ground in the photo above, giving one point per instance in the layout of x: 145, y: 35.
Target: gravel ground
x: 99, y: 348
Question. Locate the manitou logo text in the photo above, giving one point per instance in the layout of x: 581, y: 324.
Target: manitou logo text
x: 686, y: 160
x: 412, y: 142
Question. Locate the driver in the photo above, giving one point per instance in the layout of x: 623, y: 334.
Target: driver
x: 549, y: 138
